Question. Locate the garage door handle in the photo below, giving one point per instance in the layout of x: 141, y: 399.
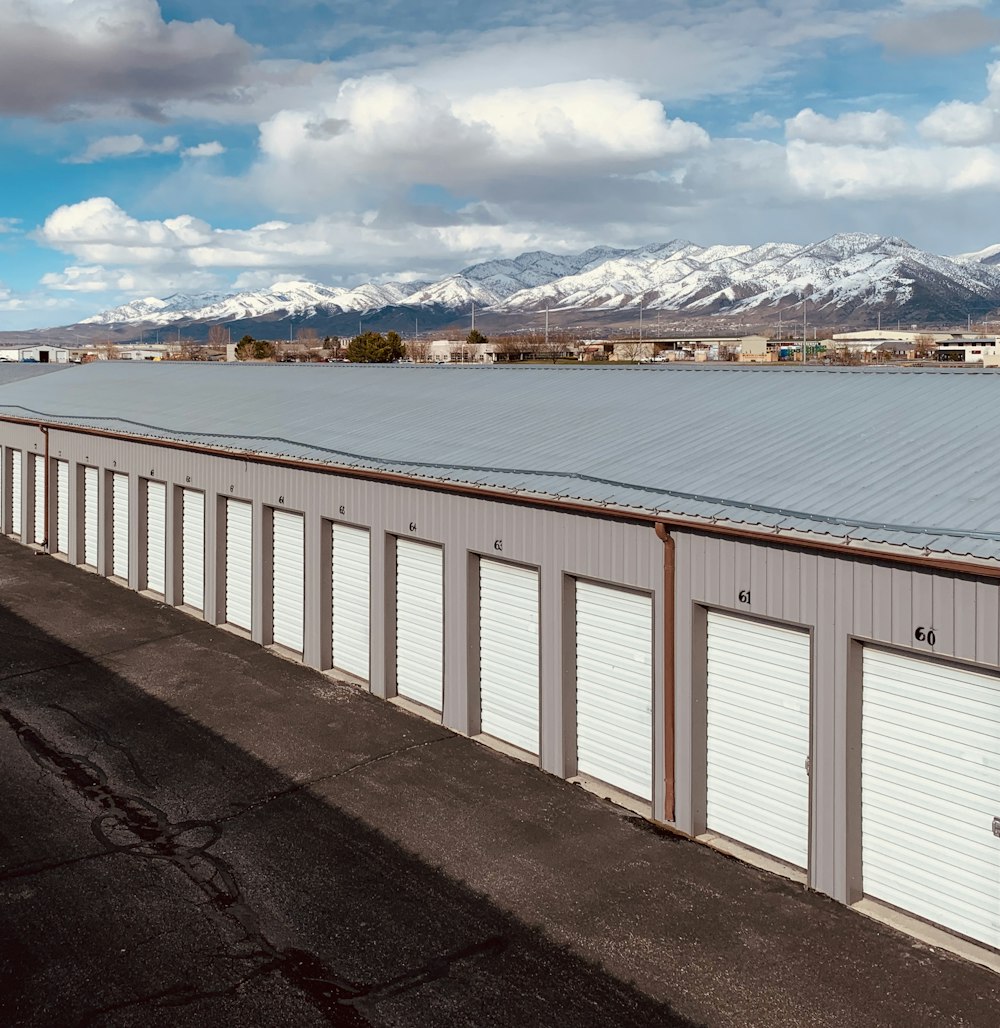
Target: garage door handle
x: 996, y: 827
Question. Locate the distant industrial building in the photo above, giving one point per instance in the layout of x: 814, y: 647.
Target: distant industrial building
x: 762, y: 608
x: 35, y: 354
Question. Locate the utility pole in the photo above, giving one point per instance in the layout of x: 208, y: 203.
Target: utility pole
x: 640, y: 321
x: 880, y: 321
x: 473, y: 315
x: 803, y: 330
x: 546, y: 328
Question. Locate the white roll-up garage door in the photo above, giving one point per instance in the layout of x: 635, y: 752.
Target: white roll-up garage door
x: 239, y: 563
x: 90, y: 519
x: 156, y: 537
x: 62, y: 506
x: 38, y: 526
x: 193, y: 549
x: 930, y: 773
x: 614, y: 687
x: 119, y: 525
x: 508, y: 653
x: 350, y: 599
x: 420, y: 622
x: 288, y: 594
x: 16, y: 505
x: 758, y: 736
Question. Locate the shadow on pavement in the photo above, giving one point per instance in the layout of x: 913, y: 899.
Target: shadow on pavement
x: 152, y: 872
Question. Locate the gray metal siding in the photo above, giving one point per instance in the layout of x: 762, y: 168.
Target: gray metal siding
x: 842, y: 602
x: 560, y: 545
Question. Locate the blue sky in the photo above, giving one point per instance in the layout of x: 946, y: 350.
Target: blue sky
x: 216, y: 145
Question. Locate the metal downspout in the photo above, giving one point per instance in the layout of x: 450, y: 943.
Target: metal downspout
x: 669, y: 737
x: 45, y: 540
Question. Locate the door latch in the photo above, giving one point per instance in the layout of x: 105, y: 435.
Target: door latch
x: 996, y: 827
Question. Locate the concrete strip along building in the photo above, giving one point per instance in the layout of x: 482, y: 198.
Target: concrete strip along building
x: 761, y: 606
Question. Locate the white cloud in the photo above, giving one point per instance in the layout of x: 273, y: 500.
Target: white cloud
x: 76, y: 279
x: 112, y: 147
x: 868, y: 128
x: 100, y: 236
x: 86, y: 279
x: 961, y: 124
x: 840, y: 172
x: 378, y: 136
x: 10, y: 225
x: 759, y: 121
x: 212, y: 149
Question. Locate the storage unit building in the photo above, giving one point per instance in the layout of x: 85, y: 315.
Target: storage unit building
x: 790, y: 654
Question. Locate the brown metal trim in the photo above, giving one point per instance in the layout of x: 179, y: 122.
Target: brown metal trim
x: 854, y: 550
x: 669, y: 735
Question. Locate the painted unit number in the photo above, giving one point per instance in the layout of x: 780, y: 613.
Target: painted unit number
x: 926, y: 635
x: 744, y: 596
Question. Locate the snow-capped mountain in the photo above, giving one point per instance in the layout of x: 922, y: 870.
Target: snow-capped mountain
x: 989, y: 255
x: 287, y: 299
x: 837, y: 276
x: 851, y: 275
x: 153, y: 309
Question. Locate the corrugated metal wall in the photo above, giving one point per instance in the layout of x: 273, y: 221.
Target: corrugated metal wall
x: 844, y: 603
x: 561, y: 546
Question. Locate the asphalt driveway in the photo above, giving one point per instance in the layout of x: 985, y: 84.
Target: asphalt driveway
x: 194, y: 831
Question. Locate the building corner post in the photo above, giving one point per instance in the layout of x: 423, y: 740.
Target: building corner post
x: 669, y: 735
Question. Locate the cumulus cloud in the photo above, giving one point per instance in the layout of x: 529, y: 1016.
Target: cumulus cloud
x: 853, y: 172
x: 58, y: 54
x: 759, y: 121
x: 947, y: 29
x: 211, y: 149
x: 960, y: 124
x: 100, y: 235
x: 379, y: 135
x: 111, y: 147
x: 863, y: 128
x: 85, y: 279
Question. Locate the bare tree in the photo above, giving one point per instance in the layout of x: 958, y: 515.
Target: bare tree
x: 508, y: 348
x: 418, y: 350
x: 218, y: 335
x: 631, y: 350
x: 924, y: 347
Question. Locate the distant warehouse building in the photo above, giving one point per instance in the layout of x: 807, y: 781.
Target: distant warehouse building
x: 760, y: 606
x: 39, y: 354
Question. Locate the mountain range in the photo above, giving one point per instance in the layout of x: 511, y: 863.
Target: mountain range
x: 847, y: 278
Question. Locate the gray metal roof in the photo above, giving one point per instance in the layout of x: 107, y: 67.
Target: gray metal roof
x: 889, y: 456
x: 15, y: 372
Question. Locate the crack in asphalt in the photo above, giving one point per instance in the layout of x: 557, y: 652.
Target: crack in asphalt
x: 36, y: 867
x: 94, y: 658
x: 103, y: 737
x: 332, y: 776
x: 133, y: 826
